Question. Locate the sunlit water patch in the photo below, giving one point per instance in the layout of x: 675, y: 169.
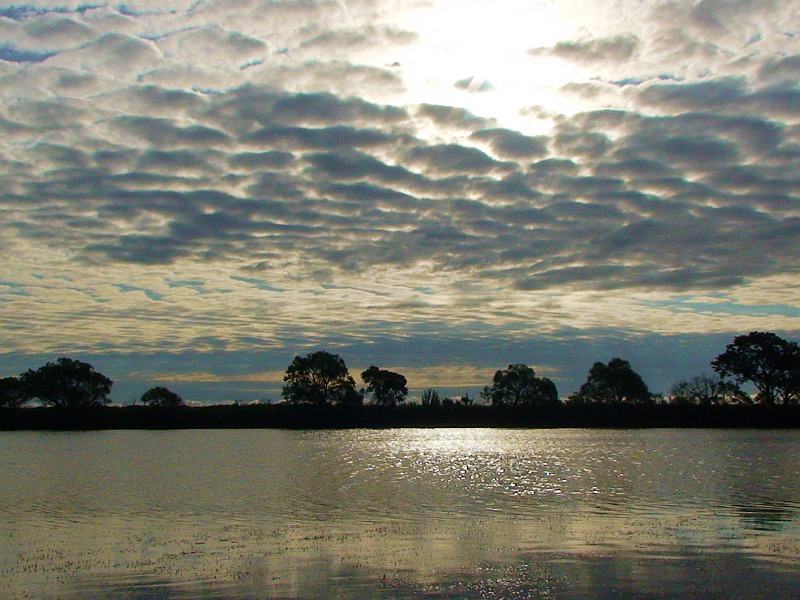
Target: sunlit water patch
x: 433, y: 513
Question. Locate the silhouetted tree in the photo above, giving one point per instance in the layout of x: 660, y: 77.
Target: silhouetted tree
x: 430, y: 397
x: 466, y: 400
x: 320, y: 378
x: 614, y: 383
x: 11, y: 393
x: 161, y: 396
x: 387, y: 387
x: 518, y: 384
x: 769, y: 362
x: 705, y: 390
x: 67, y: 383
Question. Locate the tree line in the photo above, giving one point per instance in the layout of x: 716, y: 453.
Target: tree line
x: 71, y: 384
x: 768, y: 362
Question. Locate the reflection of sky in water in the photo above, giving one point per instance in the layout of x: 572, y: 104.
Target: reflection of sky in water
x: 399, y: 513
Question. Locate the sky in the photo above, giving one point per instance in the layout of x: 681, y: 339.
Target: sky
x: 195, y: 192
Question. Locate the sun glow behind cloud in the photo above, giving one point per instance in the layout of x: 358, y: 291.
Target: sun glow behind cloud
x: 473, y: 54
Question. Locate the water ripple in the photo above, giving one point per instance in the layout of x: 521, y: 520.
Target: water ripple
x: 224, y: 513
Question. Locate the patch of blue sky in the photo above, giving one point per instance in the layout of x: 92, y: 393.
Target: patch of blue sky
x: 95, y: 297
x: 193, y: 283
x: 727, y: 308
x: 258, y: 283
x: 252, y: 63
x: 9, y: 53
x: 197, y: 285
x: 132, y: 288
x: 425, y: 290
x: 330, y: 286
x: 670, y: 77
x: 155, y: 36
x: 628, y: 81
x: 20, y: 12
x: 130, y: 11
x: 206, y: 91
x: 13, y: 288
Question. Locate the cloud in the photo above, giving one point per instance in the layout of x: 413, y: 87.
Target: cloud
x: 360, y: 38
x: 181, y: 161
x: 729, y: 93
x: 325, y: 138
x: 512, y: 144
x: 715, y: 16
x: 585, y: 191
x: 141, y: 249
x: 686, y: 150
x: 452, y: 115
x: 357, y: 165
x: 779, y: 69
x: 635, y: 167
x: 452, y: 158
x: 703, y: 95
x: 333, y: 76
x: 261, y: 160
x: 59, y: 32
x: 592, y: 144
x: 622, y: 47
x: 113, y: 54
x: 165, y: 133
x: 155, y: 99
x: 322, y: 108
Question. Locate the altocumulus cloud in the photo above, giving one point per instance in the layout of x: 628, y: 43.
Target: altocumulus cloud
x: 202, y: 188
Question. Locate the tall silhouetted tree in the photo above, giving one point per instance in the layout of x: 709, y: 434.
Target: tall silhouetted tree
x: 11, y: 393
x: 67, y: 383
x: 320, y: 378
x: 614, y: 383
x: 466, y: 400
x: 769, y: 362
x: 161, y: 396
x: 518, y: 384
x: 387, y: 387
x: 430, y: 397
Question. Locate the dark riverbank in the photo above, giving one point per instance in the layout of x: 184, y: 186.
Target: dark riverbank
x: 287, y: 416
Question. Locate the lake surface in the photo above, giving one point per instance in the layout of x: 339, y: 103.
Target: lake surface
x: 404, y: 513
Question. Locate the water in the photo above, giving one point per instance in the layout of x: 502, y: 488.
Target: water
x: 407, y: 513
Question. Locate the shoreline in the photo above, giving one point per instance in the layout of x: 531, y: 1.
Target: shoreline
x: 299, y: 417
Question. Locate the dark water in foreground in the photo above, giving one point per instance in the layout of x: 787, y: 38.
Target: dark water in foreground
x: 405, y: 513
